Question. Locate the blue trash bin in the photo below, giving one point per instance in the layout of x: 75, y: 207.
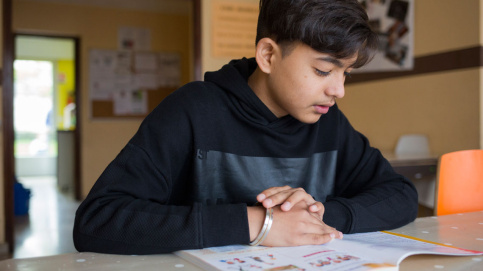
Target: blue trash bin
x: 21, y: 198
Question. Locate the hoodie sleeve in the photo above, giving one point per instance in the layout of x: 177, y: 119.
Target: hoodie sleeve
x: 135, y: 207
x: 369, y: 194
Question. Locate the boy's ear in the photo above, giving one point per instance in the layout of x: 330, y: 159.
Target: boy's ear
x: 265, y: 54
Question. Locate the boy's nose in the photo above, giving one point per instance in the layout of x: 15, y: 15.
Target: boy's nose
x: 336, y: 88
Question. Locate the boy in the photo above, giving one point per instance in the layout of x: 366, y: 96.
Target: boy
x: 263, y: 130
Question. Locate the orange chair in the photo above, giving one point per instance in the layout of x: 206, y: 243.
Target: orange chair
x: 459, y: 187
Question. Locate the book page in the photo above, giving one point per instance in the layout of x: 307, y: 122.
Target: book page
x: 395, y: 247
x: 281, y: 258
x: 363, y: 251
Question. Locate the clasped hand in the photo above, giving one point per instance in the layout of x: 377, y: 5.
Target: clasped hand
x: 297, y: 218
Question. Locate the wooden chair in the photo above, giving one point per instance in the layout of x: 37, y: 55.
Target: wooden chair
x: 459, y: 186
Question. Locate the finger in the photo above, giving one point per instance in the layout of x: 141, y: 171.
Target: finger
x: 313, y: 239
x: 298, y: 227
x: 317, y: 206
x: 331, y: 230
x: 294, y: 197
x: 319, y: 227
x: 317, y: 209
x: 335, y: 234
x: 318, y: 239
x: 271, y: 191
x: 289, y: 198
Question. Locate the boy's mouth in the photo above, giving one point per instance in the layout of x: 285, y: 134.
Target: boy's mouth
x: 322, y: 109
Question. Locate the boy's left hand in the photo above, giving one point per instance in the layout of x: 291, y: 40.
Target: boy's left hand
x: 287, y: 197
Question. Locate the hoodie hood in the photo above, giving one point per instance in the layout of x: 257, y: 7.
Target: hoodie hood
x: 233, y: 79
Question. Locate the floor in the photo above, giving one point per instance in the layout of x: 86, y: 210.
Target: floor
x: 47, y: 229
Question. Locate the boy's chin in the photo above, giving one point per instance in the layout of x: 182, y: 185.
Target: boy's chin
x: 309, y: 119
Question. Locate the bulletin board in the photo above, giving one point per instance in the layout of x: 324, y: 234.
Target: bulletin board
x: 105, y: 108
x: 127, y: 83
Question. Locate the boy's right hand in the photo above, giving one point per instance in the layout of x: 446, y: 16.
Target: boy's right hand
x: 296, y: 227
x: 287, y: 197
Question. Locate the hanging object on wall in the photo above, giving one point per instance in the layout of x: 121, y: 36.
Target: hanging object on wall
x: 134, y: 38
x: 233, y: 27
x: 393, y: 21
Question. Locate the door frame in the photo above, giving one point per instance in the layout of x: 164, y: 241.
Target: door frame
x: 197, y: 36
x: 7, y: 122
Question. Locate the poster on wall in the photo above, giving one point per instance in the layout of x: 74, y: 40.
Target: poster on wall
x: 134, y: 38
x: 233, y: 27
x: 108, y: 70
x: 393, y: 21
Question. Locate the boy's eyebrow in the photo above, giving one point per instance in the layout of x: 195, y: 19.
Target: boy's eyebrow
x: 332, y: 60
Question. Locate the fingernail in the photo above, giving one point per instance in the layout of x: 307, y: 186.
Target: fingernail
x: 332, y: 235
x: 261, y: 197
x: 341, y: 235
x: 286, y: 206
x: 314, y: 208
x: 267, y: 203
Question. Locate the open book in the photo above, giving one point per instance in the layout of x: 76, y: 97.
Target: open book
x: 362, y: 251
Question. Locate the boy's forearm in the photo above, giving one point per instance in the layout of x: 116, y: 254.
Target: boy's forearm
x: 142, y: 227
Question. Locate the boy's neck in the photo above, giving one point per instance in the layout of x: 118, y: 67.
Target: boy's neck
x: 255, y: 81
x: 258, y: 83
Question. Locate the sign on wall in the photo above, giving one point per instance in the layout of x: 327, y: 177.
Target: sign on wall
x: 234, y: 26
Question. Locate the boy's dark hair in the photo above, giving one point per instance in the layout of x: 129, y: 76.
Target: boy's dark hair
x: 336, y: 27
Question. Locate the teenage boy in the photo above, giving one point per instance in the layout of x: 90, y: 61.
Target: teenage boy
x: 265, y: 130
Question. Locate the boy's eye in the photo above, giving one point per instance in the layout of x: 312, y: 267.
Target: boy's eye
x: 321, y: 73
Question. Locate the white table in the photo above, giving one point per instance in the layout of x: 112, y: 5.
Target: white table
x: 462, y: 230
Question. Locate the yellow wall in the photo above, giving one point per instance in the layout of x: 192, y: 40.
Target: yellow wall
x: 443, y: 106
x: 446, y: 106
x: 445, y: 25
x: 97, y: 28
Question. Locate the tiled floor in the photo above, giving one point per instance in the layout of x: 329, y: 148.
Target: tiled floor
x: 47, y: 229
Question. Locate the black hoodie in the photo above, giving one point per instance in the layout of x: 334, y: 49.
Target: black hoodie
x: 186, y: 177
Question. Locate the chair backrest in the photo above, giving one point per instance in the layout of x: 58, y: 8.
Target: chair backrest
x: 412, y: 144
x: 459, y: 187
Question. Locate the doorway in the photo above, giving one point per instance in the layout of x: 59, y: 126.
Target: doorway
x: 44, y: 105
x: 45, y: 143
